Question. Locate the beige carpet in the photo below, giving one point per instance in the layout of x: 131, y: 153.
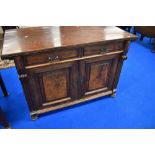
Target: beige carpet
x: 6, y: 63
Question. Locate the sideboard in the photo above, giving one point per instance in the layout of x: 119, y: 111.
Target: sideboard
x: 66, y: 65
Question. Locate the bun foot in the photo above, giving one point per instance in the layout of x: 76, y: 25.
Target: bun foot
x: 34, y: 117
x: 113, y: 95
x: 8, y: 126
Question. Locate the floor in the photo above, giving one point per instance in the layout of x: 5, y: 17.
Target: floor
x: 133, y: 107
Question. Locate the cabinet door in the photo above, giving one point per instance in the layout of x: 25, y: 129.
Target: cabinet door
x: 97, y: 74
x: 53, y: 84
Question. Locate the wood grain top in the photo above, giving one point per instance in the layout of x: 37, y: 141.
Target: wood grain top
x: 27, y: 40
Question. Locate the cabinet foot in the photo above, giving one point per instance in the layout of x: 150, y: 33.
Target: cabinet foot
x: 113, y: 95
x: 34, y: 117
x: 7, y: 127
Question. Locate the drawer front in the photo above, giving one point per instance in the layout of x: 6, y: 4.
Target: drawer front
x: 103, y: 48
x: 49, y: 57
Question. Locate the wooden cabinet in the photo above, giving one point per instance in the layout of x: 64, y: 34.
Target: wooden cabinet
x: 63, y: 66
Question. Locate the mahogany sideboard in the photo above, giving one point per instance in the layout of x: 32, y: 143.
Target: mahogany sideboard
x: 63, y: 66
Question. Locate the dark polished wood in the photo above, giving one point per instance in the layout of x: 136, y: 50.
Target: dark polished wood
x: 146, y: 31
x: 63, y: 66
x: 2, y: 85
x: 3, y: 120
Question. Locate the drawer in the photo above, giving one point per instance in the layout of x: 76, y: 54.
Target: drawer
x: 53, y: 56
x: 103, y: 48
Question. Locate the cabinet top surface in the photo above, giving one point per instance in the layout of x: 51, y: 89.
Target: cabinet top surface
x: 27, y: 40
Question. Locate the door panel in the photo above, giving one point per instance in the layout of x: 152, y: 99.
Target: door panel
x: 54, y: 84
x: 97, y: 74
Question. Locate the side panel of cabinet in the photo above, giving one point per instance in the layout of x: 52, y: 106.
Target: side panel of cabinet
x: 97, y: 74
x: 54, y: 84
